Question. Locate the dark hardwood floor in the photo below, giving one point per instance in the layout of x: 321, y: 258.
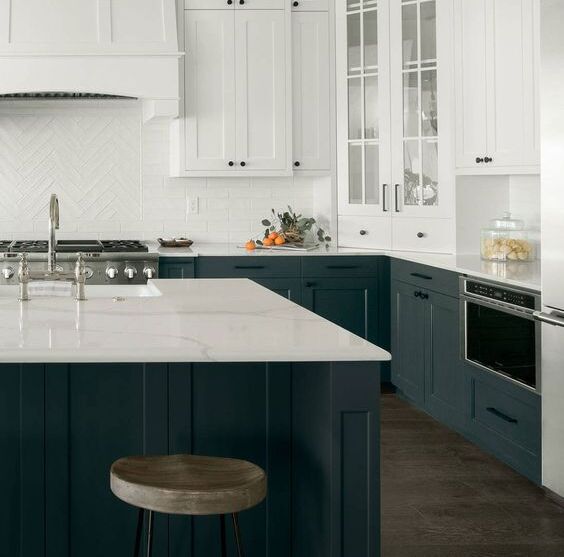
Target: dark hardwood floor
x: 443, y: 496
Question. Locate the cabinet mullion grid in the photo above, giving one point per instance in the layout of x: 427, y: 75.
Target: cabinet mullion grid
x: 417, y: 67
x: 361, y: 8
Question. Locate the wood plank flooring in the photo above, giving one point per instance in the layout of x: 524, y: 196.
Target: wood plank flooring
x: 444, y: 497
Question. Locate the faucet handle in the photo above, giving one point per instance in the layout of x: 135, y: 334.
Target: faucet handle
x: 80, y: 267
x: 23, y: 271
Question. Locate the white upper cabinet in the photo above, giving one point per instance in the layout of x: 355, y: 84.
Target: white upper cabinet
x: 261, y: 97
x: 87, y: 27
x: 312, y: 87
x: 237, y: 116
x: 497, y: 110
x: 363, y: 97
x: 396, y: 166
x: 210, y: 90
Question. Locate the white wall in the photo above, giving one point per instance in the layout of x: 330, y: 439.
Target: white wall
x: 482, y: 198
x: 111, y: 175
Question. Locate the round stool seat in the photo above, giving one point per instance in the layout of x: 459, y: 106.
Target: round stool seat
x: 188, y: 484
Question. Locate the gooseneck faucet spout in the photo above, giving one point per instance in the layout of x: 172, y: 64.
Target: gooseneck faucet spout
x: 53, y: 226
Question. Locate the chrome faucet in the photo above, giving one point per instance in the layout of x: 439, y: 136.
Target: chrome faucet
x: 77, y: 277
x: 53, y: 226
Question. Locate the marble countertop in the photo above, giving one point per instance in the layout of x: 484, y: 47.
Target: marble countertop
x: 207, y: 320
x: 520, y: 274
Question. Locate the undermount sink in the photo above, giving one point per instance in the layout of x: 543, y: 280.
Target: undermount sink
x: 95, y: 291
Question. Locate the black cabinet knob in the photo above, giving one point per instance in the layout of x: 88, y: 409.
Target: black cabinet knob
x: 241, y: 2
x: 231, y: 163
x: 417, y: 294
x: 297, y: 163
x: 229, y: 2
x: 423, y: 296
x: 296, y: 4
x: 420, y: 235
x: 479, y: 160
x: 488, y: 159
x: 310, y: 284
x: 363, y: 233
x: 243, y: 163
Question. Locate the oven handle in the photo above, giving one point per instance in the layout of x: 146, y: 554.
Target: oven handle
x: 549, y: 318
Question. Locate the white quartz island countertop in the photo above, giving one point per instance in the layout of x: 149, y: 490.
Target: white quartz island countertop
x: 215, y: 320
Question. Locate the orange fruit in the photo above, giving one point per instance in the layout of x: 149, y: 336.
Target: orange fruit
x: 267, y: 242
x: 250, y: 245
x: 280, y: 240
x: 273, y: 235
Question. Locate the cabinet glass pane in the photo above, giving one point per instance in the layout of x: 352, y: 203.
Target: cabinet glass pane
x: 371, y: 39
x: 411, y: 104
x: 430, y: 172
x: 372, y: 173
x: 355, y: 108
x: 353, y: 41
x: 409, y: 34
x: 429, y: 116
x: 355, y: 174
x: 428, y: 31
x: 371, y: 108
x: 412, y: 171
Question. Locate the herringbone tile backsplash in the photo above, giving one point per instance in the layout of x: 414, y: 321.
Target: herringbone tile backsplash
x: 111, y: 175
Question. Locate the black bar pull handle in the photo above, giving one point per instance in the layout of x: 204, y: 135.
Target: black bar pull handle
x: 421, y: 276
x: 249, y: 266
x: 342, y: 266
x: 501, y: 415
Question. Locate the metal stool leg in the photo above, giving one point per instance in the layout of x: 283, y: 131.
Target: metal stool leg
x: 237, y: 534
x: 141, y: 515
x: 150, y: 534
x: 222, y: 534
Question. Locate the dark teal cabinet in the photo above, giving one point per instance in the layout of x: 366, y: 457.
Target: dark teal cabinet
x: 505, y: 419
x: 290, y: 288
x: 22, y: 461
x: 351, y: 303
x: 409, y: 324
x: 426, y: 363
x: 177, y: 267
x: 312, y: 426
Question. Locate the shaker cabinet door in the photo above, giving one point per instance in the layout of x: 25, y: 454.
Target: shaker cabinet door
x: 261, y: 100
x: 311, y: 83
x: 210, y: 89
x: 408, y: 341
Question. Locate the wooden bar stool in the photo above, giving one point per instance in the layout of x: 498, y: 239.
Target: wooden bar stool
x: 188, y: 485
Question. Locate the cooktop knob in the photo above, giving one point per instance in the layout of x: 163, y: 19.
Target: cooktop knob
x: 130, y: 272
x: 111, y: 272
x: 149, y: 272
x: 7, y: 272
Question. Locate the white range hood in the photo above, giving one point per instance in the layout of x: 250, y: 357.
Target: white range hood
x: 123, y: 48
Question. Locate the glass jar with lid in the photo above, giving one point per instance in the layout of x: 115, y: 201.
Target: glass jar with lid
x: 507, y: 240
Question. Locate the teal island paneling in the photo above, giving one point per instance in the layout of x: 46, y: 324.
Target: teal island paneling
x: 312, y: 426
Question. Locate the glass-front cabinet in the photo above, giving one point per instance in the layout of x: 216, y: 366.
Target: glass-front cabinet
x: 394, y: 105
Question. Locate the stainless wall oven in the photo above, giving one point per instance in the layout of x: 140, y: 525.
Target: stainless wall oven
x: 499, y: 331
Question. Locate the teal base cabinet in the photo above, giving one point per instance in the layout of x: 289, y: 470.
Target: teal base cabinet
x: 314, y: 428
x: 426, y: 364
x: 177, y: 267
x: 505, y: 419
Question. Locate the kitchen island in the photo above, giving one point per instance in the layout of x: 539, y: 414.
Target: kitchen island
x: 216, y: 367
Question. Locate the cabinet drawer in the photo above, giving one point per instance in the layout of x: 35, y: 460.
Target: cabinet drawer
x: 248, y: 266
x: 430, y: 235
x: 309, y: 5
x: 506, y: 420
x: 431, y: 278
x: 365, y: 232
x: 341, y: 266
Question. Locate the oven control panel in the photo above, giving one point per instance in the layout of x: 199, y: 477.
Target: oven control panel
x: 496, y: 293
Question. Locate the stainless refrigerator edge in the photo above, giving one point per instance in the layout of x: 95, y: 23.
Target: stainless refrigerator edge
x: 552, y: 248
